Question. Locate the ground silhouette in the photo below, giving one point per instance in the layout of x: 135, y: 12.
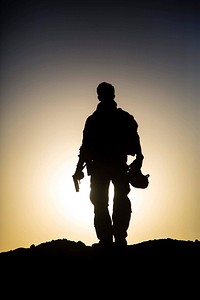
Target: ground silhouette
x: 73, y: 267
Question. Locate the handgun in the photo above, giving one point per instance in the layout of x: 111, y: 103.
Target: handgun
x: 76, y: 183
x: 76, y: 178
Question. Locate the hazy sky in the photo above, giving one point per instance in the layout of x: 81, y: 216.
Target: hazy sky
x: 53, y: 56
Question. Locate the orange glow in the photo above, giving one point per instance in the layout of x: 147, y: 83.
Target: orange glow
x: 53, y: 56
x: 39, y: 155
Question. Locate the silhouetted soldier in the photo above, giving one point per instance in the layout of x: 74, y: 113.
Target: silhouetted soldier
x: 109, y: 136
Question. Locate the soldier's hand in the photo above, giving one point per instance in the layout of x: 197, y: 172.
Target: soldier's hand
x: 137, y: 163
x: 79, y: 174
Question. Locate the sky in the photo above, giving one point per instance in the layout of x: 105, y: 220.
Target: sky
x: 53, y: 56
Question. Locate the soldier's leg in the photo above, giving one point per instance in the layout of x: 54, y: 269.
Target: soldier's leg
x: 121, y: 208
x: 99, y: 187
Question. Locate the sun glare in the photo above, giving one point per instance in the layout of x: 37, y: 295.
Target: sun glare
x: 69, y: 203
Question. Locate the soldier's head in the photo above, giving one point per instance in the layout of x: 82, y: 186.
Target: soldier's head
x: 105, y: 91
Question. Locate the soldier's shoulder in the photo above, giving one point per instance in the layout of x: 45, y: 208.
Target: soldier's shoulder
x: 91, y: 118
x: 125, y: 113
x: 127, y: 117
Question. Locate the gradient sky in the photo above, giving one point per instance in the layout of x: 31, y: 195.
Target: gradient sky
x: 53, y: 56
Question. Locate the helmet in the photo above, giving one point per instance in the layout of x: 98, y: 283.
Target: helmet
x: 136, y: 178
